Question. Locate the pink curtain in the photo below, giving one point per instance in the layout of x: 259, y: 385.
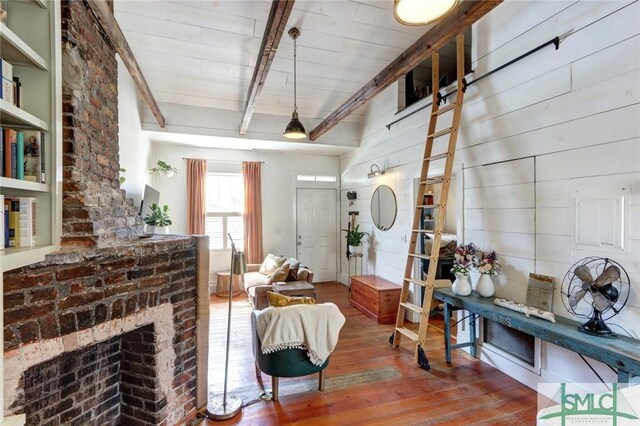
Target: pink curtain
x: 252, y: 212
x: 196, y: 178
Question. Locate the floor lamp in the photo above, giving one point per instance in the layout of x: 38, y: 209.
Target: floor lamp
x: 226, y: 406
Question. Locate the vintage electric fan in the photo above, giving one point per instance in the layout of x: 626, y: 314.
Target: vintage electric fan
x: 595, y: 288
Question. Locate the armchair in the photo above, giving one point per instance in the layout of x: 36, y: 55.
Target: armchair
x: 282, y: 363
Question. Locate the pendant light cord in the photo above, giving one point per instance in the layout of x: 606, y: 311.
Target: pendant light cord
x: 295, y: 48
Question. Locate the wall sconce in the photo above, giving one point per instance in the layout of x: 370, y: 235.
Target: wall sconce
x: 375, y: 171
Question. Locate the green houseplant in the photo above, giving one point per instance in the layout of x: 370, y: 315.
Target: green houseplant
x: 355, y: 238
x: 163, y: 167
x: 158, y: 220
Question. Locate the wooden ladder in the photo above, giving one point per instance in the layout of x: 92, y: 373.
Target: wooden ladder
x: 417, y: 231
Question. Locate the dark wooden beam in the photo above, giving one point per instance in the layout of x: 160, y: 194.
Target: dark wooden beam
x: 278, y: 17
x: 104, y: 14
x: 465, y: 14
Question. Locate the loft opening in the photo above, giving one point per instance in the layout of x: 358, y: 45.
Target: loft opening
x: 416, y: 84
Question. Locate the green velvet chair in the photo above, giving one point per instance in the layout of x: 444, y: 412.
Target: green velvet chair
x: 284, y: 363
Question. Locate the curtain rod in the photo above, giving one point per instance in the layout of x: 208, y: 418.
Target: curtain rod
x: 222, y: 161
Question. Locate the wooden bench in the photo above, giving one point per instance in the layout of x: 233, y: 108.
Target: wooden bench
x: 621, y: 352
x: 375, y: 297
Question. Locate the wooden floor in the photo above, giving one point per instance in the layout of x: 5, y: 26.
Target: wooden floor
x: 464, y: 392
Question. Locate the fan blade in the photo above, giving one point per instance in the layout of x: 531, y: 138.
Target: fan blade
x: 600, y: 301
x: 609, y: 275
x: 583, y: 273
x: 575, y: 298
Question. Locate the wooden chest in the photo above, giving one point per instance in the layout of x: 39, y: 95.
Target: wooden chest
x: 375, y: 297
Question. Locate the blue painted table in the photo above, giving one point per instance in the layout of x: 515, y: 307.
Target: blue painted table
x: 621, y: 353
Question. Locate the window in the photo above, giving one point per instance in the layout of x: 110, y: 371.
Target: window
x: 225, y: 200
x: 312, y: 178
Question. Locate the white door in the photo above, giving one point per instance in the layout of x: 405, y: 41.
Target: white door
x: 316, y: 232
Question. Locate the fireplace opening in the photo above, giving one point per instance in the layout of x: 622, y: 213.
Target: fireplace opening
x: 108, y: 383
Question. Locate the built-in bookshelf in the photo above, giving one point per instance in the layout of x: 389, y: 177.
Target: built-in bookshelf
x: 30, y: 41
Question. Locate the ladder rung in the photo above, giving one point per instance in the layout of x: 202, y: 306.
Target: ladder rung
x: 437, y: 157
x: 410, y: 306
x: 441, y: 133
x: 427, y: 206
x: 423, y: 231
x: 444, y: 283
x: 416, y: 281
x: 444, y: 109
x: 420, y: 256
x: 433, y: 180
x: 410, y: 334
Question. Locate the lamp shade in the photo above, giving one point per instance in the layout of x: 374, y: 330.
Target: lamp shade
x: 295, y: 129
x: 238, y: 264
x: 421, y: 12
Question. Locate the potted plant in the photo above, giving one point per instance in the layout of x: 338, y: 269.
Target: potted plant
x: 355, y: 238
x: 464, y: 260
x: 163, y: 167
x: 158, y: 221
x: 486, y: 265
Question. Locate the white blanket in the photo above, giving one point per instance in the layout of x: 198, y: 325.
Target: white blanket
x: 314, y: 328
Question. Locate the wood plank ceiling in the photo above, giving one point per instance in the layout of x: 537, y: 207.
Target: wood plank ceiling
x: 203, y: 53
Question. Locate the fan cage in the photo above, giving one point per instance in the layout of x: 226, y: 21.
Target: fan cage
x: 597, y: 265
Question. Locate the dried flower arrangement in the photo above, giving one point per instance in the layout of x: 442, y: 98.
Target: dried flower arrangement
x: 488, y: 263
x: 464, y: 259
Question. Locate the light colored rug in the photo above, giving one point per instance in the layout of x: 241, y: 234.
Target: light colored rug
x: 293, y: 386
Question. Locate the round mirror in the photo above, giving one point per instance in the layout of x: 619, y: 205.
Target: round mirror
x: 383, y: 207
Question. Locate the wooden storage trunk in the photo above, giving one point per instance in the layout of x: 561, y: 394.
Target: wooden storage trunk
x: 375, y: 297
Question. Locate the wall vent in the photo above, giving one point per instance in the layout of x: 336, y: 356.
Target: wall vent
x: 515, y: 345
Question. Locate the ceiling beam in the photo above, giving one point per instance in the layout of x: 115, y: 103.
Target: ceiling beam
x: 108, y: 22
x: 465, y: 14
x: 278, y: 17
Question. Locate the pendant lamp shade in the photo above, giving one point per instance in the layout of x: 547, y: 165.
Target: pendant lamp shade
x: 295, y: 129
x: 421, y: 12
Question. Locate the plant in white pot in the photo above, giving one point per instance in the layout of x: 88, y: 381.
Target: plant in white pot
x: 355, y: 238
x: 163, y: 168
x: 464, y: 256
x: 487, y: 266
x: 158, y: 221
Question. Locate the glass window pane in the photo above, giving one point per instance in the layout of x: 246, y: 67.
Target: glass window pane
x: 214, y: 229
x: 225, y: 192
x: 325, y: 178
x: 306, y: 178
x: 235, y: 226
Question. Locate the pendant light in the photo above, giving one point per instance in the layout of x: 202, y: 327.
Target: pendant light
x: 421, y: 12
x: 295, y: 129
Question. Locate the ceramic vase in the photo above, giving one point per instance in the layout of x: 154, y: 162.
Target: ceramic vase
x: 485, y: 287
x: 461, y: 286
x: 356, y: 250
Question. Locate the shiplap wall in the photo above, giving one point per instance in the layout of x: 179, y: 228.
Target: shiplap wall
x: 530, y: 135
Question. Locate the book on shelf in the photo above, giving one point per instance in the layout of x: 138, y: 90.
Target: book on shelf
x: 27, y: 232
x: 22, y: 154
x: 7, y: 88
x: 20, y: 222
x: 5, y: 214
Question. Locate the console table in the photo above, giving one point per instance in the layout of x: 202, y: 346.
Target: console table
x: 621, y: 353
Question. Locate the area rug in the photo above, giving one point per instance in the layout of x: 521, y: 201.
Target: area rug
x: 293, y: 386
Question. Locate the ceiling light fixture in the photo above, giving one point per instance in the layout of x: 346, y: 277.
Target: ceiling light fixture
x: 421, y: 12
x: 295, y: 129
x: 375, y: 173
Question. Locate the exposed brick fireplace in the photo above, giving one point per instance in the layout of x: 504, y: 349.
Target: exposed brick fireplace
x: 110, y: 329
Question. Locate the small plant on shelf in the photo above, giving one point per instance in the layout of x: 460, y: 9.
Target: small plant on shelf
x: 164, y: 168
x: 464, y: 259
x: 158, y: 219
x: 488, y: 263
x: 355, y: 238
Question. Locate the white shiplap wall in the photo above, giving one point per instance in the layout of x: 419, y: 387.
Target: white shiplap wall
x: 531, y: 134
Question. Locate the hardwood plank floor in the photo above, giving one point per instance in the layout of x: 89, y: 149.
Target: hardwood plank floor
x: 464, y: 392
